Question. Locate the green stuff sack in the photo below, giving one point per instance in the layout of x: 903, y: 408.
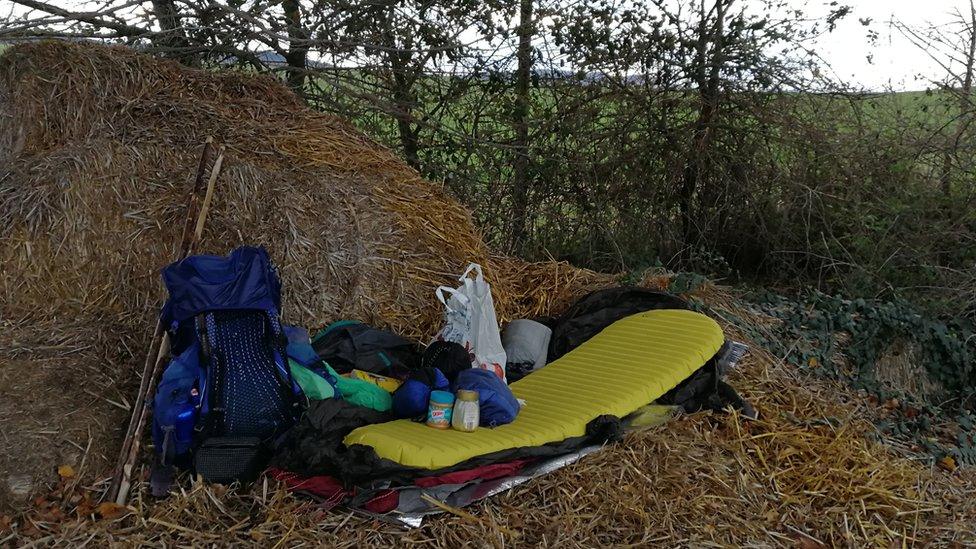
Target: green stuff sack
x: 362, y: 393
x: 313, y: 385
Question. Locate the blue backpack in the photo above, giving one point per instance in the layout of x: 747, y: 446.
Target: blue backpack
x: 228, y: 391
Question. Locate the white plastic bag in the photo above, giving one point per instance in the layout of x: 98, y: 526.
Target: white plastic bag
x: 469, y: 319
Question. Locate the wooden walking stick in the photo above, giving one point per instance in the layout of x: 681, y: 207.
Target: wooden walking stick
x: 159, y: 347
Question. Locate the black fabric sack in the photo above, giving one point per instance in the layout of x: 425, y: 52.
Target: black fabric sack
x: 706, y: 390
x: 314, y: 446
x: 350, y: 345
x: 448, y: 357
x: 227, y: 459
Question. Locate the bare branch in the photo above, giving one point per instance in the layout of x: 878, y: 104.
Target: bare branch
x: 121, y: 29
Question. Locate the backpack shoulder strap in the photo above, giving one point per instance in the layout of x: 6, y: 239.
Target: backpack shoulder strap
x: 278, y: 342
x: 212, y: 394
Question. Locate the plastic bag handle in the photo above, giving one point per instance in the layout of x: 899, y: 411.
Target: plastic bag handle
x: 441, y: 290
x: 480, y: 276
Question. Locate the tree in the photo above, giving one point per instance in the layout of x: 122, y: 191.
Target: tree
x: 167, y: 15
x: 696, y: 80
x: 417, y: 55
x: 707, y: 65
x: 297, y: 55
x: 953, y: 48
x: 521, y: 178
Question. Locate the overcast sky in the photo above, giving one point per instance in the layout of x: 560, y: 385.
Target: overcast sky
x: 896, y: 61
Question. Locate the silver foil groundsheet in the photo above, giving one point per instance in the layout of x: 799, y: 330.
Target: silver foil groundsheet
x: 412, y: 507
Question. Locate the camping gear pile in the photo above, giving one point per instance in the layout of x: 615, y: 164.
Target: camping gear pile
x: 362, y: 416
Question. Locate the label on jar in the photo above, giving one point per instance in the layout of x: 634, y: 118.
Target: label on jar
x: 439, y: 417
x: 466, y: 416
x: 468, y: 422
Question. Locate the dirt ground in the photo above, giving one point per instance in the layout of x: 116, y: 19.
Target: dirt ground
x: 70, y: 410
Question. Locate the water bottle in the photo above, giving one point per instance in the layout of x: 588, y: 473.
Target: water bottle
x: 186, y: 419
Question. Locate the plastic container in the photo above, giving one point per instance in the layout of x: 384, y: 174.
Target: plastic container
x: 466, y: 414
x: 186, y: 420
x: 439, y: 410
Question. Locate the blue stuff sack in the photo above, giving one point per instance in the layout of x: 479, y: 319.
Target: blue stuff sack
x: 497, y: 404
x: 412, y: 398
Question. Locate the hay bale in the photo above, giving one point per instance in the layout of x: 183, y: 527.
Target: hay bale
x: 98, y: 146
x: 901, y: 367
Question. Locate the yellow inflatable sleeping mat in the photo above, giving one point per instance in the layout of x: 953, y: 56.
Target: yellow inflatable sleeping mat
x: 630, y: 363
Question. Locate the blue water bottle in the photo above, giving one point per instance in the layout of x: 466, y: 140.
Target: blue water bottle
x: 185, y: 420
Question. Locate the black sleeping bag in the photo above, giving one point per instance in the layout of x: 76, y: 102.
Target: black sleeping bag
x: 594, y: 312
x: 705, y: 389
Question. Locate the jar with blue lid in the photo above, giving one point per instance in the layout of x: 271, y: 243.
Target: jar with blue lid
x: 439, y: 409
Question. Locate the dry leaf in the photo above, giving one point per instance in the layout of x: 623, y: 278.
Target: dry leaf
x: 948, y: 463
x: 85, y: 508
x: 51, y: 514
x: 66, y: 471
x: 807, y: 543
x: 257, y: 536
x: 111, y: 510
x: 30, y: 530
